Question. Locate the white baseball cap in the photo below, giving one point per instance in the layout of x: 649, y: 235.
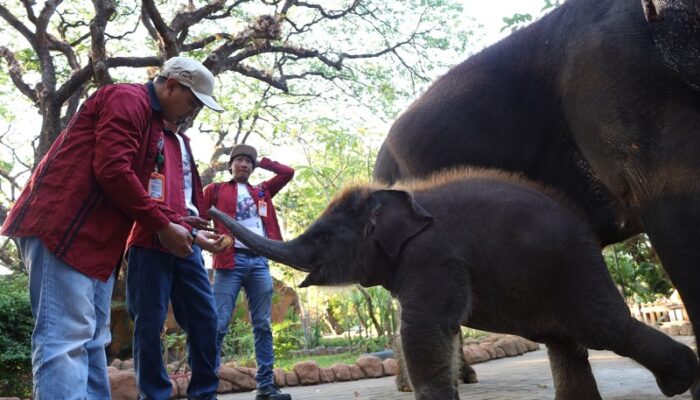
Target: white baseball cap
x: 195, y: 76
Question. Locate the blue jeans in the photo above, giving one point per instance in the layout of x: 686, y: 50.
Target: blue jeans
x: 153, y: 278
x: 253, y: 274
x: 71, y: 312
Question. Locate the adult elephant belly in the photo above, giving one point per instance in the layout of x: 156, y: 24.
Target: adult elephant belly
x: 420, y: 144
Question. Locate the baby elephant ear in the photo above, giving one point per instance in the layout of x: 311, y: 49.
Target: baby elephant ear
x: 395, y: 217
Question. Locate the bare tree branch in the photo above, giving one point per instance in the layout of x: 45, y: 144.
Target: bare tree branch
x: 17, y: 24
x: 81, y: 77
x: 103, y: 11
x: 185, y: 20
x: 15, y: 70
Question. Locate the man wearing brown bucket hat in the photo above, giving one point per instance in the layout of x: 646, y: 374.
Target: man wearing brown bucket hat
x: 239, y: 267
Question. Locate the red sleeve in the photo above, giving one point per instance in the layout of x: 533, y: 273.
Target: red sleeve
x: 283, y: 174
x: 118, y: 137
x: 209, y: 198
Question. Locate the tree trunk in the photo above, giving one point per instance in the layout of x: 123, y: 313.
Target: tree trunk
x: 370, y: 310
x: 333, y: 321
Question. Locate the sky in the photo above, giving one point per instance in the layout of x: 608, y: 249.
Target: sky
x: 487, y: 13
x: 490, y: 14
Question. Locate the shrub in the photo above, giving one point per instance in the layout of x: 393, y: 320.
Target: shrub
x: 287, y: 336
x: 238, y: 344
x: 16, y: 324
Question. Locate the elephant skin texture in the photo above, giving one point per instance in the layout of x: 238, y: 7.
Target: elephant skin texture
x: 599, y: 99
x: 484, y: 249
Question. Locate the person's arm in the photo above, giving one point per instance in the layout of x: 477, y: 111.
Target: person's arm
x: 283, y: 174
x: 119, y: 134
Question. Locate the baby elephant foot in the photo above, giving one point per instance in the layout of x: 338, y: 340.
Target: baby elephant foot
x: 695, y: 389
x: 402, y: 382
x: 468, y: 374
x: 680, y: 375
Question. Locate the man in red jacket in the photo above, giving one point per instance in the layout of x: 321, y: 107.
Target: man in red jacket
x: 156, y: 275
x: 239, y: 267
x: 73, y: 217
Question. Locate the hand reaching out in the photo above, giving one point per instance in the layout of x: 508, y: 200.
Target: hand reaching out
x: 197, y: 223
x: 211, y: 242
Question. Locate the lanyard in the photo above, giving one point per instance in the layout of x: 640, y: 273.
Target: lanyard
x: 160, y: 157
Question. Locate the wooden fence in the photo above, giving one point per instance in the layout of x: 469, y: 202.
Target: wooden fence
x: 660, y: 311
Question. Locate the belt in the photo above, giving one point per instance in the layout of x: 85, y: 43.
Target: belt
x: 246, y: 252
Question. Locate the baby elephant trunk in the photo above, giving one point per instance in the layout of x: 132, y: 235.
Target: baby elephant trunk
x: 288, y: 253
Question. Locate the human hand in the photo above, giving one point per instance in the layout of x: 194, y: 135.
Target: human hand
x: 197, y: 223
x: 176, y: 239
x: 211, y: 242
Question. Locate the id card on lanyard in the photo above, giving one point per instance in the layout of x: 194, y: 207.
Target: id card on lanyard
x: 262, y: 204
x: 156, y: 184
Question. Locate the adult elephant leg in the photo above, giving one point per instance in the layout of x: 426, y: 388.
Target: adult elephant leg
x: 573, y: 379
x: 673, y: 226
x: 403, y: 384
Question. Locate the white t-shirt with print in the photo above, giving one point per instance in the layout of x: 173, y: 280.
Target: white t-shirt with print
x: 247, y: 213
x: 187, y: 177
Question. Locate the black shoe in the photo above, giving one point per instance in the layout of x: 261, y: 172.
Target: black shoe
x: 271, y: 392
x: 210, y: 396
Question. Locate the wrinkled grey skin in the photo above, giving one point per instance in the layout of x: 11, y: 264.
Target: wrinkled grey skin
x: 599, y: 99
x: 484, y: 250
x: 466, y: 373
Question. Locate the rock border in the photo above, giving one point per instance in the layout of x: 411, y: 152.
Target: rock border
x: 306, y: 373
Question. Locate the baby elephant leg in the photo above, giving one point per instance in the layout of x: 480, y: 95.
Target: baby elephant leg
x: 429, y: 350
x: 466, y: 372
x: 573, y: 379
x: 674, y: 365
x: 403, y: 384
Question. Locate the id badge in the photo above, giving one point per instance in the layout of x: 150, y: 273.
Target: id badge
x: 262, y: 208
x: 156, y: 186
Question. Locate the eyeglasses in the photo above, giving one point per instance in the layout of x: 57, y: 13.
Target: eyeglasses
x: 195, y: 103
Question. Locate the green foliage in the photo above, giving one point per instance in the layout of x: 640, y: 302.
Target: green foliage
x: 239, y: 344
x: 323, y: 361
x: 636, y: 270
x: 516, y: 21
x: 287, y: 336
x: 335, y: 157
x: 16, y: 324
x: 175, y: 349
x: 469, y: 333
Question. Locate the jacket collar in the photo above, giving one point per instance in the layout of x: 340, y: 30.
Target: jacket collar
x: 155, y: 104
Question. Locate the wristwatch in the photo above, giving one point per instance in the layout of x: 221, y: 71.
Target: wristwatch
x: 194, y: 233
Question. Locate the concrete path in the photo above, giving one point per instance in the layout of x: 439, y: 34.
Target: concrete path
x: 525, y: 377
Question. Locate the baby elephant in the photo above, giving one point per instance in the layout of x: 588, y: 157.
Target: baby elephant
x: 487, y: 250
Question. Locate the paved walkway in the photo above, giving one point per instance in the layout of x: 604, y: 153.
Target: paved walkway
x: 526, y: 377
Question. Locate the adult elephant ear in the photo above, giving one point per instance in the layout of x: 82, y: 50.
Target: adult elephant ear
x: 395, y: 217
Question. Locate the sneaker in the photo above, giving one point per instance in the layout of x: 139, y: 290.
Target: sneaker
x: 271, y: 392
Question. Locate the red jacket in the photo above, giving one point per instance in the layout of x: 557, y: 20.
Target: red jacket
x: 89, y: 188
x: 174, y: 192
x: 225, y: 195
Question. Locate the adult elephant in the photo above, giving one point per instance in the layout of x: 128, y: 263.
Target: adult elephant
x: 600, y: 99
